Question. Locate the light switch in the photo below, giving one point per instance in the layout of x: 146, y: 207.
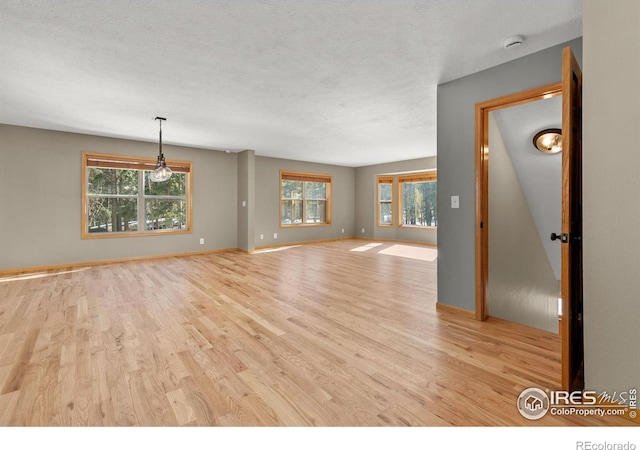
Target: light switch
x: 455, y: 201
x: 244, y: 203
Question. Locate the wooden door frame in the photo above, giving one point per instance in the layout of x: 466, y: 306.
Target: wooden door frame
x: 482, y: 181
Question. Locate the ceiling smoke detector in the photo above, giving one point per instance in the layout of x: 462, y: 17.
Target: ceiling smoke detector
x: 513, y: 41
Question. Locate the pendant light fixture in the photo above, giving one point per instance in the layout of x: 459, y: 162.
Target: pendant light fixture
x: 161, y: 172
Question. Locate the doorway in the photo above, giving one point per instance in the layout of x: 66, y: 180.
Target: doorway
x: 482, y: 181
x: 525, y: 204
x: 570, y: 237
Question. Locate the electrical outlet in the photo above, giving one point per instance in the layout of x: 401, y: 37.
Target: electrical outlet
x: 275, y: 235
x: 244, y: 203
x: 363, y: 231
x: 262, y: 236
x: 201, y: 241
x: 343, y: 230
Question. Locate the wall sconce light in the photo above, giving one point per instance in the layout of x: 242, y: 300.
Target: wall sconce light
x: 549, y: 140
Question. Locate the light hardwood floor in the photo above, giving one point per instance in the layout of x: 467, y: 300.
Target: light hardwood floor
x: 314, y: 335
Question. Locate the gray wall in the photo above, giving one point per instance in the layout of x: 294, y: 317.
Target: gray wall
x: 267, y: 213
x: 456, y: 160
x: 41, y: 214
x: 611, y: 213
x: 221, y: 182
x: 522, y: 286
x: 246, y: 199
x: 366, y: 202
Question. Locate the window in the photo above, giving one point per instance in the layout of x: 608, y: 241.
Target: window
x: 305, y: 199
x: 418, y: 199
x: 119, y: 198
x: 385, y: 201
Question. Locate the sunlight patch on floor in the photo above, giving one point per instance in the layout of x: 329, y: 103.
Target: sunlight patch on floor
x: 34, y: 276
x: 365, y: 248
x: 408, y: 251
x: 275, y: 249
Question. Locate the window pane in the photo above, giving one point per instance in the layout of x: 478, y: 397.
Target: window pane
x: 112, y: 214
x: 408, y: 204
x: 386, y: 217
x: 286, y: 209
x: 166, y: 214
x: 315, y: 190
x: 112, y: 181
x: 385, y: 192
x: 291, y: 212
x: 315, y: 211
x: 176, y: 185
x: 419, y: 203
x: 429, y: 205
x: 291, y: 189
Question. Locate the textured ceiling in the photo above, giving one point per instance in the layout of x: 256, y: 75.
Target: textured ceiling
x: 350, y: 82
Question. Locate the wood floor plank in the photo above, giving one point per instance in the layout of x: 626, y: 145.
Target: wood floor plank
x: 8, y: 403
x: 4, y: 374
x: 286, y: 412
x: 20, y: 364
x: 183, y: 412
x: 312, y: 335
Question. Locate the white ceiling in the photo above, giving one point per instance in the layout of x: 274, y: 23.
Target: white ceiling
x: 349, y: 82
